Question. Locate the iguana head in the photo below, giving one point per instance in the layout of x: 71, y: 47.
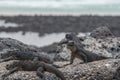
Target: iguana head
x: 12, y: 65
x: 8, y: 54
x: 70, y: 36
x: 4, y: 55
x: 62, y: 44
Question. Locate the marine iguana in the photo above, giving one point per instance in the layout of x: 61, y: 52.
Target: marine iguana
x: 83, y: 54
x: 38, y: 66
x: 72, y: 37
x: 68, y: 38
x: 22, y: 55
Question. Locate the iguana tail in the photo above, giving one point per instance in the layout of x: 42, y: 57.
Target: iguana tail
x: 54, y: 70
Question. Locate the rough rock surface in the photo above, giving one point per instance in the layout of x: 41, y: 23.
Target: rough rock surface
x: 108, y: 46
x: 50, y: 48
x: 98, y: 70
x: 101, y: 32
x: 108, y: 69
x: 102, y: 41
x: 11, y: 44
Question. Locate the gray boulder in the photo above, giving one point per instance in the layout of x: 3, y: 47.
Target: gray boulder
x: 101, y: 32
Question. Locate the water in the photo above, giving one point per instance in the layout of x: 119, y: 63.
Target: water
x: 32, y: 38
x: 8, y: 24
x: 73, y: 6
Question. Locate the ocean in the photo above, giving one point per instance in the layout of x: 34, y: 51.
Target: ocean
x: 51, y: 6
x: 60, y: 6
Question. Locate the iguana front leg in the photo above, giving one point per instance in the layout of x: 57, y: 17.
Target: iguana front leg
x: 72, y: 59
x: 7, y: 59
x: 85, y: 59
x: 10, y: 72
x: 40, y: 73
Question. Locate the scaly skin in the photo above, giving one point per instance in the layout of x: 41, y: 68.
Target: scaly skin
x: 22, y: 55
x: 68, y: 38
x: 72, y: 37
x: 38, y: 66
x: 83, y: 54
x: 77, y: 51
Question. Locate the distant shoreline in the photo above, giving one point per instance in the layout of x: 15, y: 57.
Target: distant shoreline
x: 56, y: 14
x: 57, y: 24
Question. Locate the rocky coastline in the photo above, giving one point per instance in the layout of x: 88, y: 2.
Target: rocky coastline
x: 57, y: 24
x: 104, y: 44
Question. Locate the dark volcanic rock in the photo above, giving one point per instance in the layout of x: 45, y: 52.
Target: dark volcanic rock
x: 103, y: 44
x: 52, y: 24
x: 50, y: 48
x: 116, y: 76
x: 101, y: 32
x: 98, y: 70
x: 12, y: 44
